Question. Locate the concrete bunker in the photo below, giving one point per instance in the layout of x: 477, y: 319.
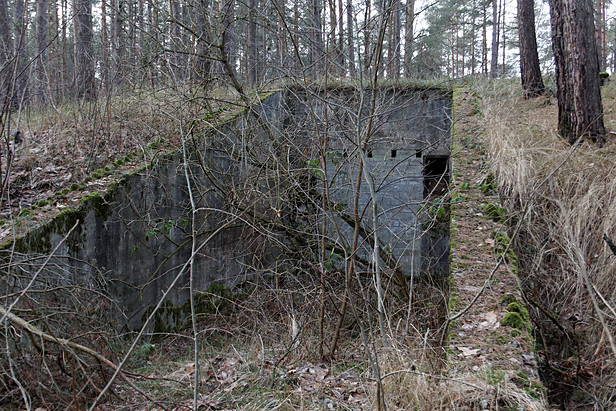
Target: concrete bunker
x: 260, y: 184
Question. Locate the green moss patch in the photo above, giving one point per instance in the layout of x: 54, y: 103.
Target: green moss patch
x: 516, y: 317
x: 175, y: 318
x: 488, y: 185
x: 495, y: 212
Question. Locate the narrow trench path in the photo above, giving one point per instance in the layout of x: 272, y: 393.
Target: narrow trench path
x: 493, y: 339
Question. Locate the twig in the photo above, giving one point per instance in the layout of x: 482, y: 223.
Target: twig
x: 155, y: 310
x: 610, y: 243
x: 33, y: 279
x: 21, y: 323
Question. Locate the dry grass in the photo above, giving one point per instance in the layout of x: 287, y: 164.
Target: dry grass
x: 65, y: 143
x: 248, y: 358
x: 414, y: 380
x: 565, y: 199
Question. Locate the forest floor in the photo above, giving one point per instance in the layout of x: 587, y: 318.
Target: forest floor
x: 487, y: 361
x: 72, y: 151
x: 494, y: 335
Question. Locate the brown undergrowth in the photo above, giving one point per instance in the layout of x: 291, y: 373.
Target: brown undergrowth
x: 261, y: 349
x: 564, y: 200
x: 66, y: 143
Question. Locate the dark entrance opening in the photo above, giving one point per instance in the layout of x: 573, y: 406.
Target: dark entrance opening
x: 436, y: 176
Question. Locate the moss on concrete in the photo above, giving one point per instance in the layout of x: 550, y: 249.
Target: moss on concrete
x: 516, y: 317
x: 175, y: 318
x: 98, y: 203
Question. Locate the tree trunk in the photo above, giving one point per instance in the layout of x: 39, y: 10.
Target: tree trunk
x: 495, y: 40
x: 367, y: 30
x: 203, y: 44
x: 41, y: 48
x: 5, y: 51
x: 408, y: 37
x: 484, y: 41
x: 64, y: 52
x: 332, y: 46
x: 83, y: 50
x: 532, y: 83
x: 104, y: 46
x: 341, y: 37
x: 54, y: 66
x: 603, y: 61
x: 228, y: 37
x: 154, y: 43
x: 473, y: 39
x: 175, y: 39
x: 350, y: 42
x: 297, y: 65
x: 396, y: 38
x: 503, y: 14
x: 580, y: 112
x: 5, y: 35
x: 117, y: 42
x: 20, y: 95
x: 600, y: 29
x: 316, y: 38
x: 251, y: 46
x: 282, y: 38
x: 390, y: 42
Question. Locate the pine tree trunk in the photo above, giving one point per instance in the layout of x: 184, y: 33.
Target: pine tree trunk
x: 495, y: 41
x: 473, y: 39
x: 599, y: 32
x: 350, y: 42
x: 341, y: 38
x: 83, y: 50
x: 203, y: 47
x: 484, y: 41
x: 54, y: 69
x: 105, y: 47
x: 117, y: 42
x: 504, y: 38
x: 41, y: 49
x: 20, y: 95
x: 154, y: 44
x: 409, y: 23
x: 367, y: 60
x: 282, y: 38
x: 580, y: 112
x: 396, y: 38
x: 175, y: 40
x: 227, y: 11
x: 252, y: 70
x: 532, y: 83
x: 5, y: 51
x: 332, y: 49
x: 316, y: 38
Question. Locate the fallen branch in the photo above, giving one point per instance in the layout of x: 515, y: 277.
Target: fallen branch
x: 25, y: 325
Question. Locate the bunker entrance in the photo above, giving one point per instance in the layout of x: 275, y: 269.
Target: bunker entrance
x: 436, y: 222
x: 436, y: 176
x: 407, y: 159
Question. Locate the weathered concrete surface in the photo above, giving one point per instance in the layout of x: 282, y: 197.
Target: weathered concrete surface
x: 138, y: 234
x: 409, y: 127
x: 138, y: 237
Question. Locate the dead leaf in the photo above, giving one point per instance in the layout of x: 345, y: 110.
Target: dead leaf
x: 491, y: 320
x: 469, y: 352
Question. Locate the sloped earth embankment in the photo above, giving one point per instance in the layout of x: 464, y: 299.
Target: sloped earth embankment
x: 493, y: 337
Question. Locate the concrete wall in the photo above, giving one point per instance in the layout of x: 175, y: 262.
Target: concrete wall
x: 409, y: 127
x: 137, y: 234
